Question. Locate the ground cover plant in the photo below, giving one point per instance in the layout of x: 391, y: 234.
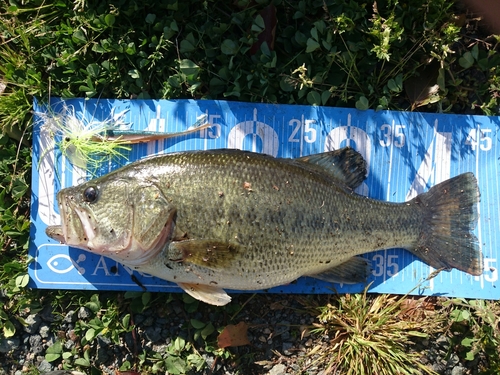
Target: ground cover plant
x: 406, y: 55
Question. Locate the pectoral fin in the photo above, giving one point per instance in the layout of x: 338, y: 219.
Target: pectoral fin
x: 205, y: 253
x: 352, y: 271
x: 206, y: 293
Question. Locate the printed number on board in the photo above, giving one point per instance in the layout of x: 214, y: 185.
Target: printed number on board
x: 478, y: 138
x: 308, y: 132
x: 491, y: 271
x: 393, y: 135
x: 388, y: 264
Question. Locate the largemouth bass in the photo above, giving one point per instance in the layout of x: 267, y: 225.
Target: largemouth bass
x: 210, y: 220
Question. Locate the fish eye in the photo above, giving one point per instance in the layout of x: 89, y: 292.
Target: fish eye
x: 90, y: 194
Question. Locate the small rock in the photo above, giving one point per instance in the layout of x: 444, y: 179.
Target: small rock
x: 84, y: 313
x: 69, y: 344
x: 153, y: 334
x: 129, y: 340
x: 44, y: 330
x: 36, y: 344
x: 7, y: 345
x: 262, y: 339
x: 138, y: 319
x: 102, y: 355
x: 439, y: 367
x: 442, y: 341
x: 458, y: 370
x: 46, y: 314
x: 286, y: 346
x: 277, y: 370
x: 453, y: 360
x: 70, y: 317
x: 33, y: 322
x: 45, y: 366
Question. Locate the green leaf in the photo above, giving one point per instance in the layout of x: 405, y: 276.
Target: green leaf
x: 125, y: 366
x: 259, y: 22
x: 475, y: 52
x: 150, y: 18
x: 179, y: 344
x: 3, y: 315
x: 207, y: 331
x: 134, y: 73
x: 82, y: 362
x: 90, y: 334
x: 19, y: 188
x: 470, y: 356
x: 467, y: 342
x: 93, y: 70
x: 314, y: 33
x: 79, y: 36
x: 126, y: 321
x: 22, y: 280
x: 325, y: 96
x: 467, y: 60
x: 175, y: 365
x: 229, y: 47
x: 188, y: 67
x: 67, y: 355
x: 51, y: 357
x: 300, y: 38
x: 313, y: 98
x: 197, y: 324
x: 131, y: 50
x: 312, y: 45
x: 54, y: 352
x: 285, y: 85
x: 94, y: 305
x: 396, y: 84
x: 362, y: 103
x: 465, y: 315
x: 110, y: 19
x: 186, y: 46
x: 9, y: 329
x: 146, y: 298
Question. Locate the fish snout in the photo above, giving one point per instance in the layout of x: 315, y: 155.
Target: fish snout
x: 55, y: 232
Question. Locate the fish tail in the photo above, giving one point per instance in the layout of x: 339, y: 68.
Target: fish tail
x: 450, y: 216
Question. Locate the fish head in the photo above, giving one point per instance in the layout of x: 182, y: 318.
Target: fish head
x: 124, y: 218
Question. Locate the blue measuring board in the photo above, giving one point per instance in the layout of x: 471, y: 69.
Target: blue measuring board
x: 406, y: 154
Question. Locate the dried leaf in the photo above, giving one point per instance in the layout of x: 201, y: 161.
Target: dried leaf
x: 234, y: 335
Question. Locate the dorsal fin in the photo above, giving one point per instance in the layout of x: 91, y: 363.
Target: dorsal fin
x: 345, y: 165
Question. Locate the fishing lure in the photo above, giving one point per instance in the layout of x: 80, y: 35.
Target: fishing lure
x: 87, y: 144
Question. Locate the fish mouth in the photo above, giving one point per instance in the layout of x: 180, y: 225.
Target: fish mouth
x: 71, y: 231
x: 55, y: 232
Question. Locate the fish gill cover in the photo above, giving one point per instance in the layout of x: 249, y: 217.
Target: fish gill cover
x: 406, y: 154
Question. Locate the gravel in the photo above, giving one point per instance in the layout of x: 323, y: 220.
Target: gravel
x: 278, y: 344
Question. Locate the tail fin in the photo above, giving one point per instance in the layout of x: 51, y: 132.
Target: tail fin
x: 450, y: 216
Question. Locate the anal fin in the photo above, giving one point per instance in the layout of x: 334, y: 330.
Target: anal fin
x: 206, y: 293
x: 354, y: 270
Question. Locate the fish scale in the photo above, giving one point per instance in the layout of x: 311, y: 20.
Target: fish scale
x: 210, y: 220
